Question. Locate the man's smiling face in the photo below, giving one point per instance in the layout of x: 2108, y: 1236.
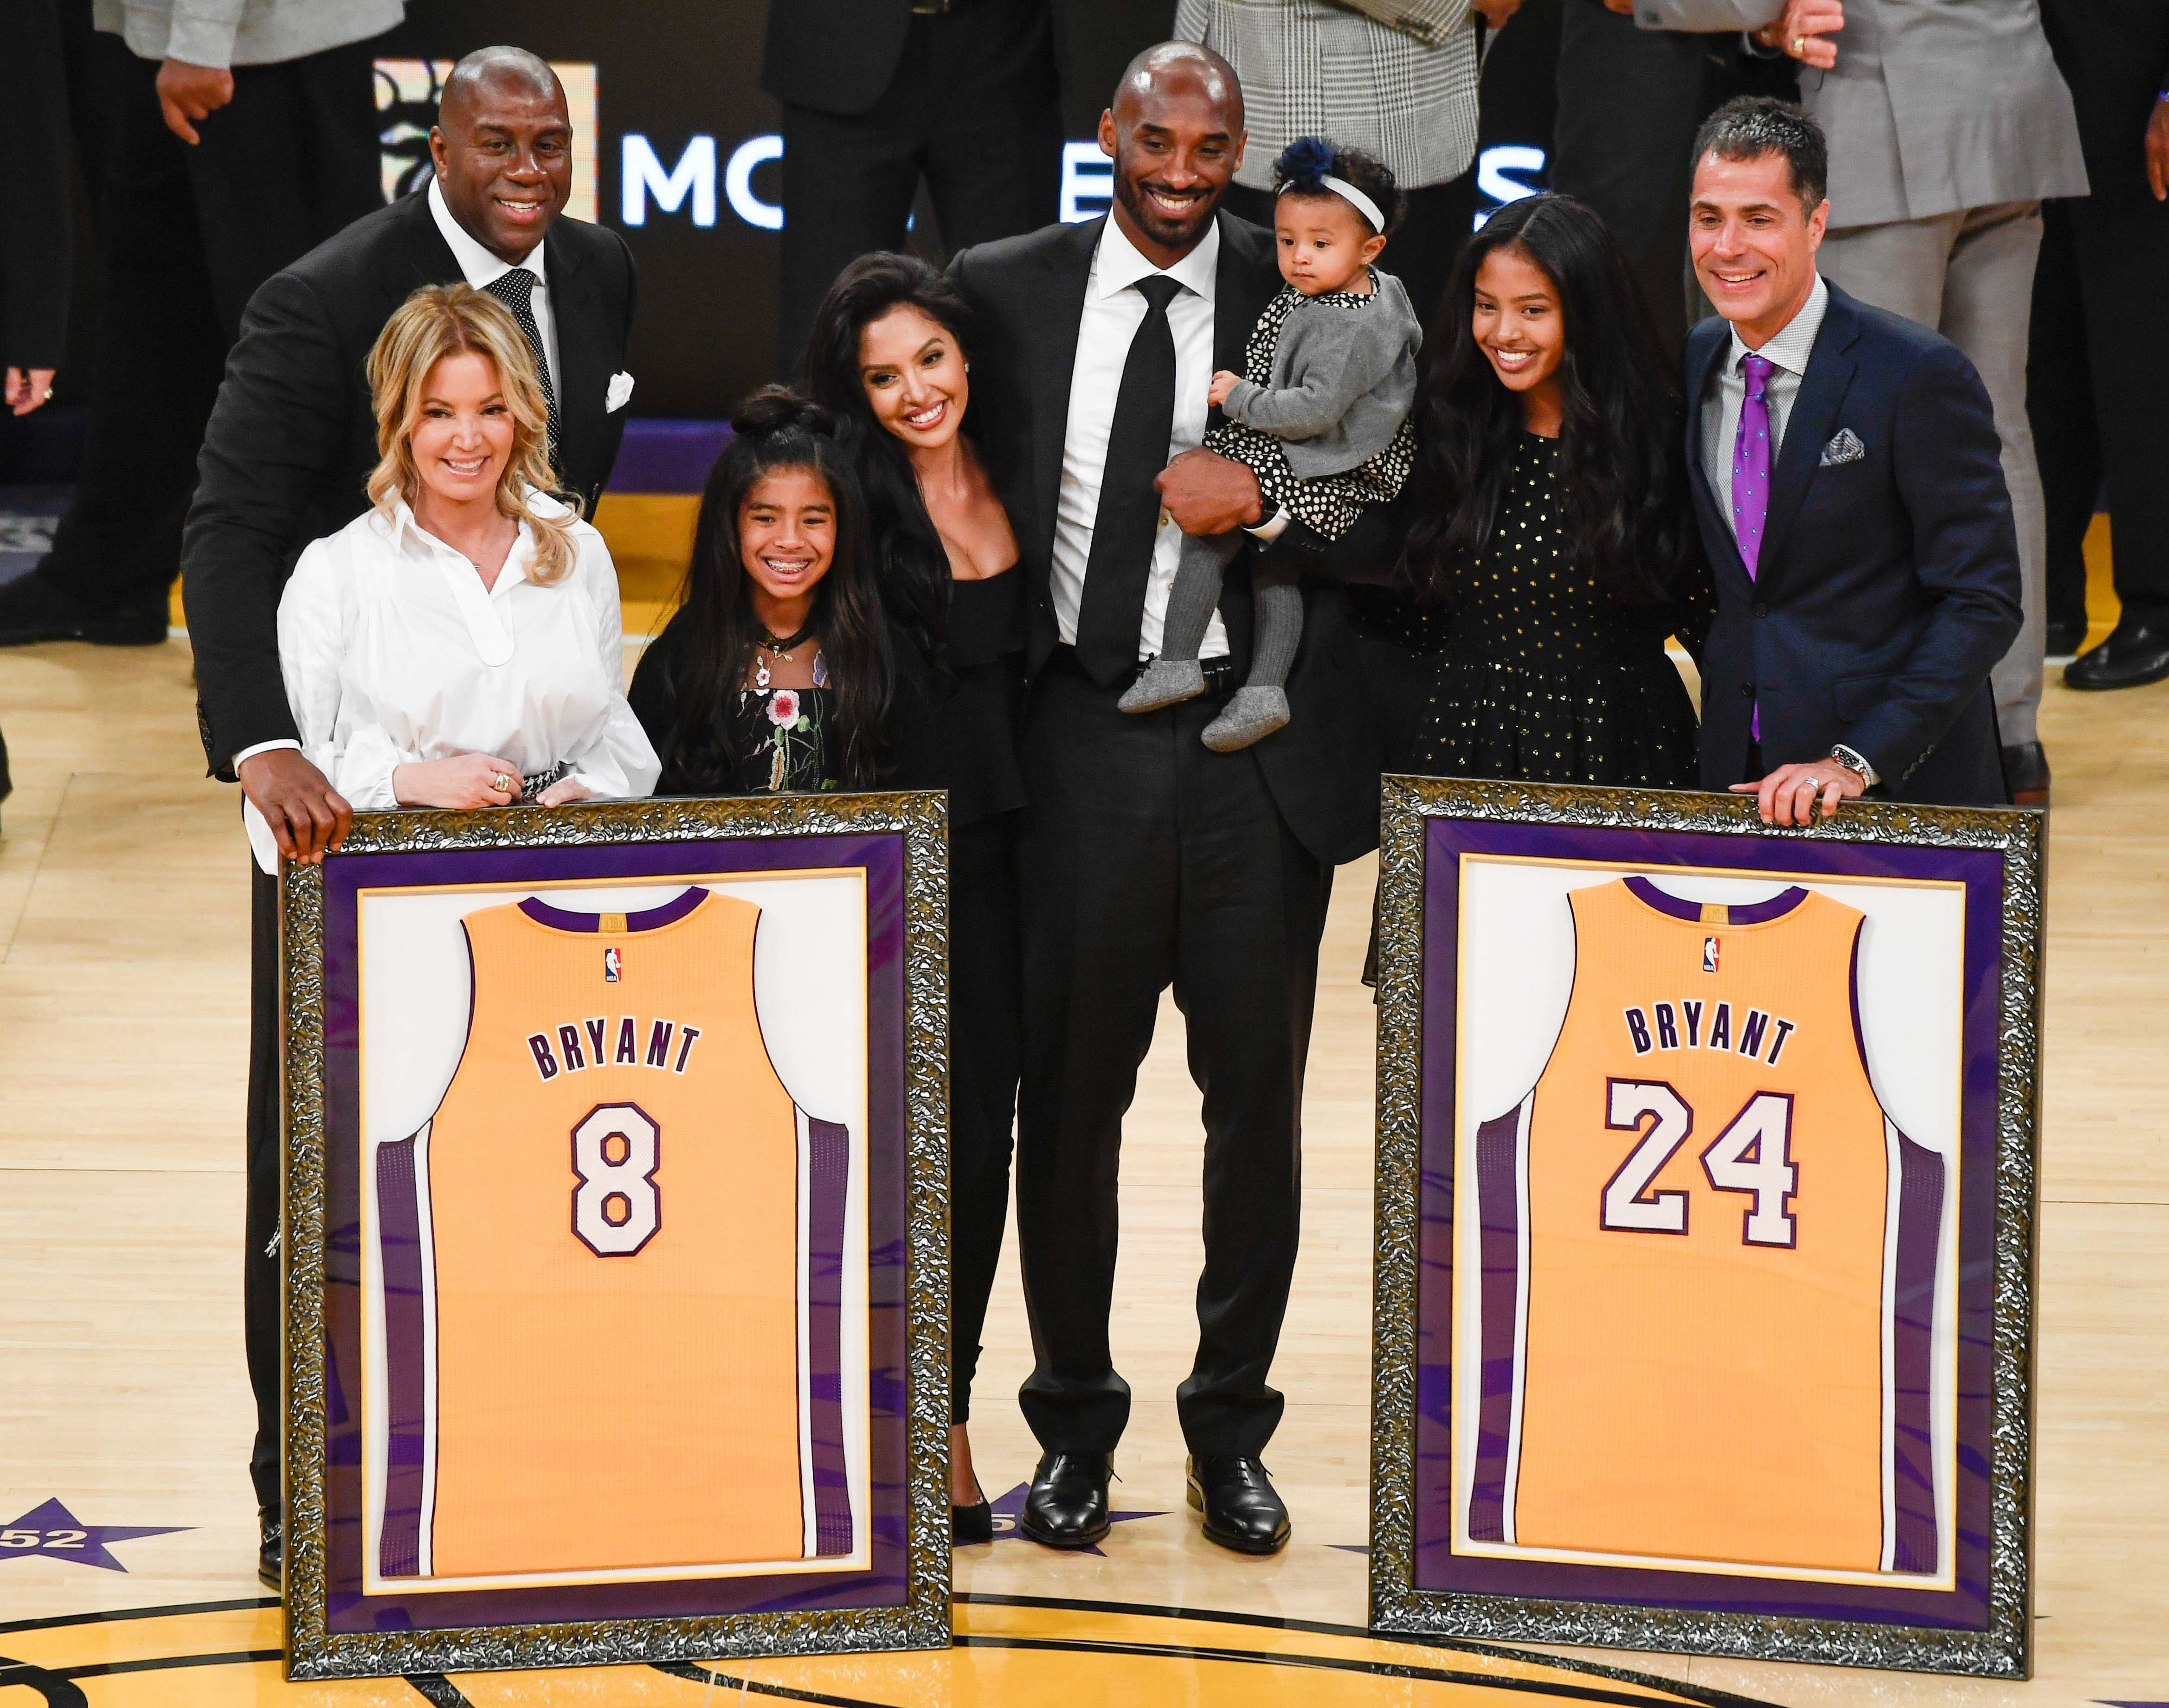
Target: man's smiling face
x: 503, y: 148
x: 1176, y: 135
x: 1754, y: 242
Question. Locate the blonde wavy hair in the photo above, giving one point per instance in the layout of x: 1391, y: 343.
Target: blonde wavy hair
x: 449, y: 320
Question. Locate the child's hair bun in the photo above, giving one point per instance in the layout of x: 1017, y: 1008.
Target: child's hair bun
x: 1303, y: 163
x: 779, y: 409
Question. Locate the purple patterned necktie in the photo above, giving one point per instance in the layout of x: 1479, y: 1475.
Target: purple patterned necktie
x: 1750, y: 463
x: 1750, y: 480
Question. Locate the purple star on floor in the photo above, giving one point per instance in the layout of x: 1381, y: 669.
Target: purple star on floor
x: 54, y: 1531
x: 1010, y: 1506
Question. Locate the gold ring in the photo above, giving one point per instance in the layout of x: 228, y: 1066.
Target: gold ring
x: 501, y: 783
x: 1799, y: 46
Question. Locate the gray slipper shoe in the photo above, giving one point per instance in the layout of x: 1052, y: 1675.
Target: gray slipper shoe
x: 1166, y: 682
x: 1252, y: 715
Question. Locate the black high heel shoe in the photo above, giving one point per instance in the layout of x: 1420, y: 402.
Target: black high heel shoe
x: 971, y: 1525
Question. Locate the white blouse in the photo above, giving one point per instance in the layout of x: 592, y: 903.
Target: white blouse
x: 393, y: 652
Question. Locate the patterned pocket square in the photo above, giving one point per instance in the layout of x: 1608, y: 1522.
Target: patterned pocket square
x: 1846, y: 448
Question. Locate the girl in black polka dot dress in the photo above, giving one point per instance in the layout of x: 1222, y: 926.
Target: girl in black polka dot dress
x: 1552, y: 537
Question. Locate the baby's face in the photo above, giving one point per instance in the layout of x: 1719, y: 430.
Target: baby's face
x: 1323, y: 242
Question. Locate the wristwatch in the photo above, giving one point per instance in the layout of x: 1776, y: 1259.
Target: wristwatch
x: 1856, y: 763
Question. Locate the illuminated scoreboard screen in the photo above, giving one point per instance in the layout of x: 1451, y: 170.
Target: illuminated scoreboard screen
x: 677, y: 147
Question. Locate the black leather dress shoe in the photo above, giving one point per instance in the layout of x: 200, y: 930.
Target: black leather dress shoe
x: 1066, y: 1505
x: 271, y: 1551
x: 2026, y: 774
x: 1241, y: 1510
x: 2064, y: 636
x: 2135, y: 653
x: 33, y: 610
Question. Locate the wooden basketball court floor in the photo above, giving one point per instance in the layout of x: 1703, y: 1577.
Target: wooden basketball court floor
x: 125, y: 1410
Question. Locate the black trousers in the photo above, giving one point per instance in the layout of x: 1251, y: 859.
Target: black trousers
x: 186, y: 235
x: 1629, y: 103
x: 986, y: 1041
x: 2114, y: 246
x: 1433, y: 231
x: 259, y: 1257
x: 973, y: 108
x: 2059, y: 401
x: 1149, y: 860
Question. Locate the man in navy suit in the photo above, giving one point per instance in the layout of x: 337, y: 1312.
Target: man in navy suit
x: 1851, y: 494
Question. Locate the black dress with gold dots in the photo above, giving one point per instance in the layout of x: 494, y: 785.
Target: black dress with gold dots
x: 1543, y: 677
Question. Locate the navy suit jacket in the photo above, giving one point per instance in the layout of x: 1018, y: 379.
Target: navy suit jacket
x: 1888, y: 581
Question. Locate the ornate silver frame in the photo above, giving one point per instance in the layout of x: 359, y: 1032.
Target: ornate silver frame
x: 923, y: 1620
x: 2003, y: 1649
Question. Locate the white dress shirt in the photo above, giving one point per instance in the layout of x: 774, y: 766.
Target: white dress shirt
x: 393, y: 652
x: 1789, y: 350
x: 1113, y: 312
x: 478, y: 266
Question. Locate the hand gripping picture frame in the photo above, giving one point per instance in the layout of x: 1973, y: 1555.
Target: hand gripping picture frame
x: 614, y: 1231
x: 1705, y: 1225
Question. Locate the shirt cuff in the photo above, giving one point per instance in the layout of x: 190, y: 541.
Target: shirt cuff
x: 1268, y: 529
x: 262, y: 747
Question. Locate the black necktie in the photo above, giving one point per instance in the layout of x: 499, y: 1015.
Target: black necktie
x: 516, y: 290
x: 1119, y: 566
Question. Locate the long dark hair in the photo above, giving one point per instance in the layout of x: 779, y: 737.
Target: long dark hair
x: 912, y: 563
x: 775, y: 429
x: 1621, y: 466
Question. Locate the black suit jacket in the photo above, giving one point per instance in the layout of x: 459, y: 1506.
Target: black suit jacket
x: 1889, y: 581
x: 840, y: 56
x: 292, y: 438
x: 1027, y: 295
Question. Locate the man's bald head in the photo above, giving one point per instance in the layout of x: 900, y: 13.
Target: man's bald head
x: 1180, y: 68
x: 503, y: 146
x: 1175, y: 132
x: 510, y: 71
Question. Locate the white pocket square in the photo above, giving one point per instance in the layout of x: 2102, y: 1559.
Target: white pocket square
x: 1846, y: 448
x: 620, y: 393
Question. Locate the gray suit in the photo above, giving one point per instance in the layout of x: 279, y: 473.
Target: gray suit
x: 1949, y: 125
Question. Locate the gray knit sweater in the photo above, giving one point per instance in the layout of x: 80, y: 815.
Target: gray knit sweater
x: 1344, y: 379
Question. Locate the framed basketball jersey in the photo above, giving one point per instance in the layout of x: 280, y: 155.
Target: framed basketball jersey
x: 617, y: 1182
x: 1698, y: 1173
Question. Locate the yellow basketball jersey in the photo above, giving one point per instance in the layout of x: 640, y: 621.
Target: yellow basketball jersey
x: 1691, y: 1289
x: 601, y: 1366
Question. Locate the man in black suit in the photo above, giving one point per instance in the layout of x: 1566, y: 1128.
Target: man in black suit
x: 1148, y: 858
x: 876, y: 94
x: 237, y: 137
x: 1851, y: 494
x: 290, y: 444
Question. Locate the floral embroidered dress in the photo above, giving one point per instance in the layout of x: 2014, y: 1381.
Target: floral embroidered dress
x: 783, y: 733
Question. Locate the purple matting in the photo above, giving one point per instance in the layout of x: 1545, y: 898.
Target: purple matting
x: 348, y: 1608
x: 1437, y: 1567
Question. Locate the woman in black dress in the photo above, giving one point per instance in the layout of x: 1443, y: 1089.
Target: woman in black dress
x: 888, y: 356
x: 779, y: 671
x: 1552, y: 530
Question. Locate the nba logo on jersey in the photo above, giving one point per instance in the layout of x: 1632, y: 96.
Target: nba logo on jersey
x: 1708, y: 956
x: 614, y: 962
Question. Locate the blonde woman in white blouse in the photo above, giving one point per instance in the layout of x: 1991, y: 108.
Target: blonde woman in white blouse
x: 457, y: 645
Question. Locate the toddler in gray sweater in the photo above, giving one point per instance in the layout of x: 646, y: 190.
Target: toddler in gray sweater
x: 1322, y: 419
